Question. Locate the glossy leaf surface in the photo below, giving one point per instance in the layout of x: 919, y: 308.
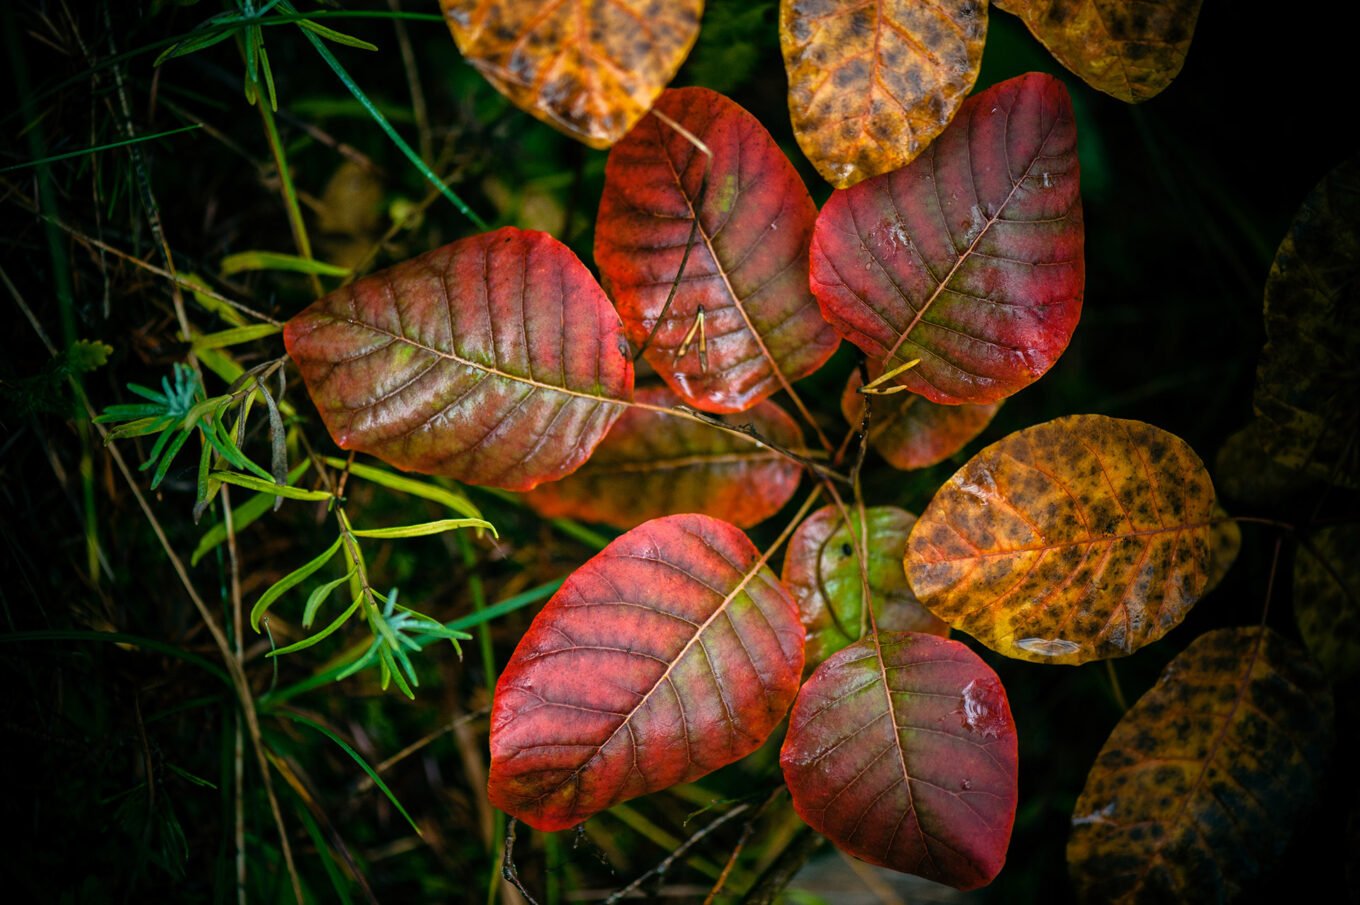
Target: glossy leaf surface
x: 590, y: 68
x: 495, y: 360
x: 822, y: 573
x: 1308, y: 381
x: 652, y: 464
x: 871, y: 84
x: 903, y: 753
x: 910, y: 431
x: 1131, y: 49
x: 747, y: 270
x: 1196, y: 788
x: 1327, y: 598
x: 970, y: 258
x: 671, y: 653
x: 1078, y: 539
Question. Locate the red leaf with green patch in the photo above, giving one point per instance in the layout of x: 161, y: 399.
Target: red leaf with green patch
x: 671, y: 653
x: 495, y: 360
x: 748, y: 267
x: 971, y: 257
x: 902, y: 751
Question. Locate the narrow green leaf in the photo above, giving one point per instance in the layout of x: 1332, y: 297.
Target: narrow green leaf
x: 193, y: 45
x: 508, y: 605
x: 175, y: 446
x: 243, y: 516
x: 336, y: 37
x: 436, y: 527
x: 338, y: 881
x: 97, y: 148
x: 318, y: 597
x: 321, y: 635
x: 393, y: 481
x: 235, y: 336
x: 272, y: 260
x: 139, y: 428
x: 358, y: 759
x: 287, y: 582
x: 263, y: 485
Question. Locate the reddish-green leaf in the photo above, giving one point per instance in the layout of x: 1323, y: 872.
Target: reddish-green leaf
x: 588, y: 68
x: 970, y: 258
x: 653, y: 464
x: 671, y: 653
x: 909, y: 430
x: 747, y: 270
x: 1077, y: 539
x: 902, y: 751
x: 1131, y: 49
x: 871, y: 84
x: 822, y: 572
x: 494, y: 360
x: 1198, y: 786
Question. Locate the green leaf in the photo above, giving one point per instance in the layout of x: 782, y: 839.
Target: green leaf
x: 86, y: 355
x: 243, y: 516
x: 392, y: 481
x: 175, y: 446
x: 289, y: 581
x: 336, y: 37
x: 251, y: 482
x: 235, y: 336
x: 193, y: 45
x: 321, y: 635
x: 318, y: 597
x: 358, y: 759
x: 272, y: 260
x: 436, y: 527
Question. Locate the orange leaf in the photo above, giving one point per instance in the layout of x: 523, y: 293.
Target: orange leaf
x: 1131, y: 49
x: 590, y: 68
x: 1078, y: 539
x: 872, y: 83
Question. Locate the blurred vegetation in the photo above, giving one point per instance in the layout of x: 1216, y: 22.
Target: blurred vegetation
x: 137, y: 773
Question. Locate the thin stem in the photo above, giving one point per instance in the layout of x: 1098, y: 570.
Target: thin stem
x: 665, y: 865
x: 408, y: 62
x: 742, y: 430
x: 1115, y: 687
x: 290, y: 200
x: 508, y: 870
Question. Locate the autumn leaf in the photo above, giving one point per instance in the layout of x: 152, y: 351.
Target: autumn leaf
x: 652, y: 464
x: 902, y: 751
x: 910, y: 431
x: 589, y: 68
x: 823, y: 574
x: 1244, y: 471
x: 1130, y: 49
x: 743, y: 323
x: 1327, y: 598
x: 495, y: 360
x: 1308, y: 380
x: 671, y: 653
x: 1078, y: 539
x: 1225, y: 542
x: 1197, y: 787
x: 872, y: 83
x: 970, y: 259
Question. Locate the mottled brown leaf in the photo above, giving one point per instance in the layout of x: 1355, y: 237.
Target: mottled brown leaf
x: 1078, y: 539
x: 1308, y: 380
x: 1244, y: 471
x: 909, y: 430
x: 590, y: 68
x: 1131, y: 49
x: 495, y: 360
x: 1327, y: 598
x: 652, y: 464
x: 1225, y: 542
x: 871, y: 83
x: 822, y: 572
x: 1198, y: 786
x: 673, y: 652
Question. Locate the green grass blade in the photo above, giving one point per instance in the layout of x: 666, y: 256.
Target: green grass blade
x: 251, y: 482
x: 426, y: 528
x: 320, y: 636
x: 508, y: 605
x: 97, y: 148
x: 336, y: 37
x: 358, y: 759
x: 392, y: 481
x: 244, y: 261
x: 235, y: 336
x: 242, y: 516
x: 289, y: 581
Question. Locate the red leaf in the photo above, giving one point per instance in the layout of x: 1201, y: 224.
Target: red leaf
x: 748, y: 268
x: 653, y: 464
x: 902, y: 751
x: 671, y: 653
x: 909, y: 430
x: 494, y: 360
x: 971, y: 257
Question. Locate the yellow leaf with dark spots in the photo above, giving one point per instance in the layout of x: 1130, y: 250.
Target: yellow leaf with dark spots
x: 1130, y: 49
x: 1078, y: 539
x: 872, y: 83
x: 590, y: 68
